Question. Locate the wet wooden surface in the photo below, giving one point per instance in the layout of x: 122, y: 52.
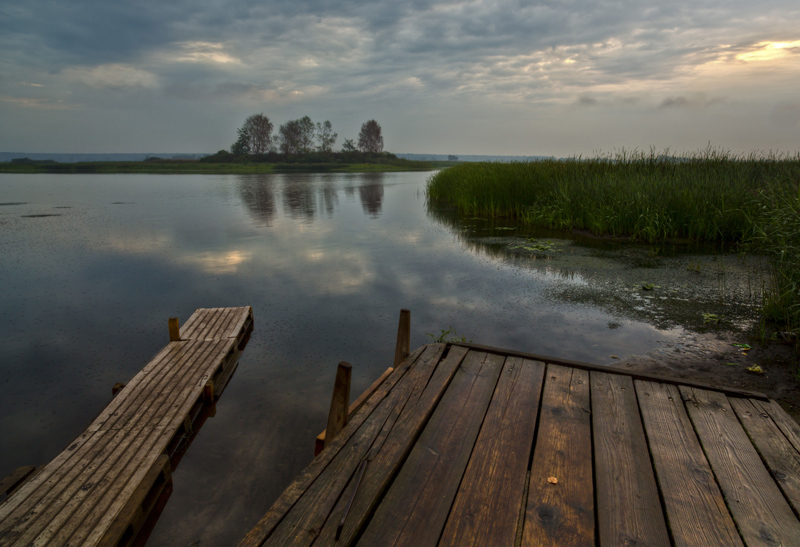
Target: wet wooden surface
x: 103, y: 488
x: 470, y: 445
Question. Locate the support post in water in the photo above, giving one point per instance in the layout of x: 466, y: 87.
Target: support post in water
x: 174, y: 330
x: 402, y: 348
x: 340, y: 402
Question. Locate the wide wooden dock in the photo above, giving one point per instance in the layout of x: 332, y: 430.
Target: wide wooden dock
x: 107, y: 487
x: 469, y: 445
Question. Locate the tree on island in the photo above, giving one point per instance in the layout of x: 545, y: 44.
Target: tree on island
x: 325, y: 136
x: 255, y: 136
x: 297, y: 136
x: 349, y: 146
x: 370, y: 138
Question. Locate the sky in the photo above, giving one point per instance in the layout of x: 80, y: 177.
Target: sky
x: 562, y: 78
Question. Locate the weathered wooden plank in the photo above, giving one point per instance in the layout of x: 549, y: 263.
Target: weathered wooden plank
x: 16, y: 478
x: 98, y: 471
x: 312, y: 513
x: 610, y: 370
x: 215, y: 318
x: 105, y: 509
x: 60, y: 473
x: 243, y: 324
x: 161, y: 383
x: 486, y: 510
x: 696, y: 512
x: 43, y: 480
x: 398, y: 443
x: 629, y: 511
x: 762, y: 515
x: 225, y: 328
x: 319, y: 444
x: 140, y: 503
x: 560, y: 507
x: 301, y: 526
x: 195, y: 323
x: 415, y: 508
x: 266, y: 526
x: 782, y: 459
x: 787, y: 425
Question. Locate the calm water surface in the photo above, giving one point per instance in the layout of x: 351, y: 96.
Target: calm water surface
x: 92, y: 267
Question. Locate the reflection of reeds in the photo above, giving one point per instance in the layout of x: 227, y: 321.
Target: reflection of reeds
x: 710, y: 196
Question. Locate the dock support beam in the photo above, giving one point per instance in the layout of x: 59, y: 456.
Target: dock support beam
x: 402, y: 348
x: 340, y: 402
x: 174, y: 330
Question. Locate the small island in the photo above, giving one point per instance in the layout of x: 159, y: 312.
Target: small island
x: 299, y: 145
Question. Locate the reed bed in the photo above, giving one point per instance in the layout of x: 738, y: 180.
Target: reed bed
x: 710, y: 196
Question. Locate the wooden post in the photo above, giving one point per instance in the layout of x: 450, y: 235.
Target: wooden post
x: 337, y: 417
x: 402, y: 348
x: 174, y: 330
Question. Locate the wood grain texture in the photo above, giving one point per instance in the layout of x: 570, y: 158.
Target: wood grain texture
x: 562, y: 513
x: 486, y: 510
x: 79, y: 495
x: 629, y: 510
x: 762, y: 515
x: 396, y: 443
x: 354, y: 407
x: 696, y: 511
x: 340, y: 402
x: 415, y: 508
x: 304, y: 523
x: 402, y: 345
x: 551, y: 360
x: 266, y: 526
x: 781, y: 458
x: 787, y: 425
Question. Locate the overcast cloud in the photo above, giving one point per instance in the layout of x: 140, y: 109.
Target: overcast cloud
x: 480, y: 77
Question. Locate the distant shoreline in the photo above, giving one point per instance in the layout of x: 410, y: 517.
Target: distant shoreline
x: 186, y: 167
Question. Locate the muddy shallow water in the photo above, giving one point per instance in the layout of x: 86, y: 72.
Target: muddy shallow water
x: 94, y: 265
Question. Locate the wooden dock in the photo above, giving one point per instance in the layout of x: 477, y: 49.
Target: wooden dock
x: 110, y: 484
x: 470, y: 445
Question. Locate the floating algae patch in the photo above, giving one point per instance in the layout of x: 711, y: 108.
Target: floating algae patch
x: 665, y: 286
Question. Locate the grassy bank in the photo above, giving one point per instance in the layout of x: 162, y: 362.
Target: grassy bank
x: 706, y: 197
x: 358, y: 163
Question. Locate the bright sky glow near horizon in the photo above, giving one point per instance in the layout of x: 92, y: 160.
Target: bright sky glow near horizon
x: 463, y: 77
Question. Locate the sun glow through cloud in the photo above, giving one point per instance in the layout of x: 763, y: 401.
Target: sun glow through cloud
x: 767, y: 51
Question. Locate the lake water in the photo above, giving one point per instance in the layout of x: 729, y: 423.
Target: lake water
x: 92, y: 267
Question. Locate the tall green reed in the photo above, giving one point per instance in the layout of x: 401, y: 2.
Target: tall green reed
x: 707, y: 196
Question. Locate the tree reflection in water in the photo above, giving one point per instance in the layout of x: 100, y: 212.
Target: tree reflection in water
x: 305, y: 195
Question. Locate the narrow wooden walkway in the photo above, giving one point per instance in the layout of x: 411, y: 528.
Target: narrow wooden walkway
x: 101, y: 489
x: 468, y: 445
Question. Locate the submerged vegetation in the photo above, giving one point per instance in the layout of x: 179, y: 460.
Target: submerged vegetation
x: 710, y: 197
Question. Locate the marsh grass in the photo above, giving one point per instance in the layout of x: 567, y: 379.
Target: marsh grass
x: 710, y: 196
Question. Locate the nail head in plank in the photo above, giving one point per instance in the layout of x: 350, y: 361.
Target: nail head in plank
x: 762, y: 515
x: 629, y: 510
x: 696, y: 512
x: 560, y: 509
